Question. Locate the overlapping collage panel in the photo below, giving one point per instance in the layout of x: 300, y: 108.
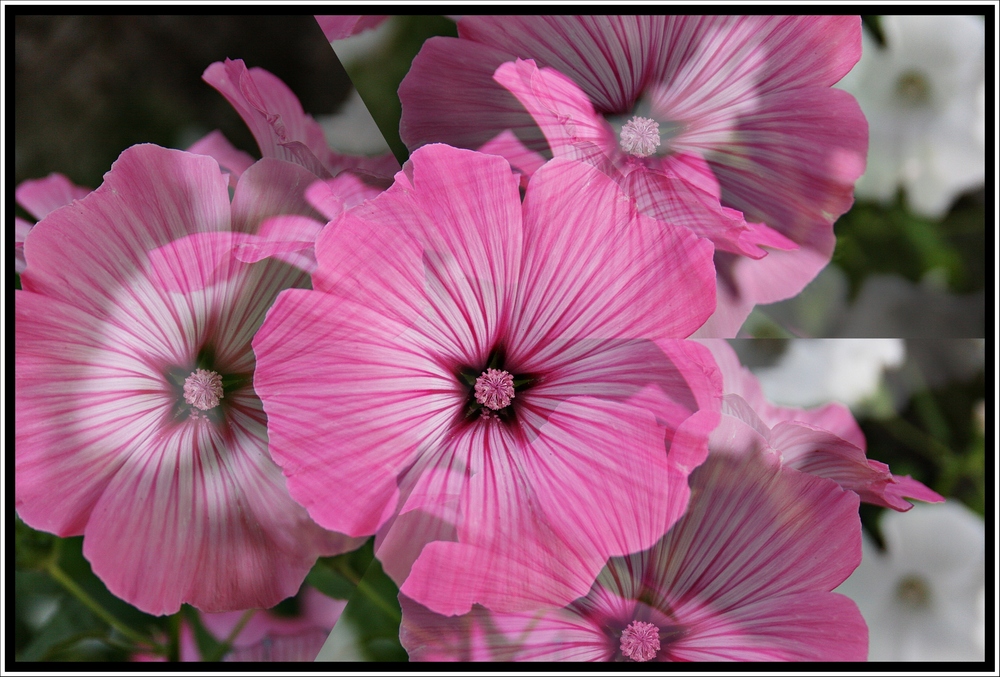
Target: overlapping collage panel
x: 515, y: 338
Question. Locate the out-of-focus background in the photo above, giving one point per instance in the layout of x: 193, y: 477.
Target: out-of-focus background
x: 87, y: 87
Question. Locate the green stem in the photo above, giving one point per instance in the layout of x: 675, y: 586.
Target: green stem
x: 63, y: 579
x: 223, y: 648
x: 368, y: 592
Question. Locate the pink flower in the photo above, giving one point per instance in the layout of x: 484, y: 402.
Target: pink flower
x: 280, y: 126
x: 338, y: 26
x: 745, y: 574
x: 726, y: 125
x: 389, y: 395
x: 39, y: 197
x: 825, y: 441
x: 136, y: 420
x: 267, y: 636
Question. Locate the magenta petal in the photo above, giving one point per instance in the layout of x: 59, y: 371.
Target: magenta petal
x: 463, y: 104
x: 901, y: 488
x: 216, y: 145
x: 595, y: 267
x: 575, y: 479
x: 324, y: 379
x: 41, y: 196
x: 451, y: 242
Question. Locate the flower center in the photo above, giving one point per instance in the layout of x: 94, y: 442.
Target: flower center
x: 913, y: 88
x: 640, y: 641
x: 913, y: 592
x: 203, y: 389
x: 494, y: 389
x: 640, y: 136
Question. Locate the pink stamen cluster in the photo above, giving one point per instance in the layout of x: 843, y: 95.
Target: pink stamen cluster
x: 640, y: 641
x: 640, y: 136
x: 203, y: 389
x: 494, y: 389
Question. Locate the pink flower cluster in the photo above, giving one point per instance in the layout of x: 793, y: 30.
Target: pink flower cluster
x: 482, y: 360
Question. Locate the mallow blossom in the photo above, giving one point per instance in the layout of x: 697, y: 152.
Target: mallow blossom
x: 924, y: 94
x: 725, y: 125
x: 745, y: 575
x: 136, y: 421
x: 38, y: 197
x: 825, y: 441
x: 268, y: 635
x: 493, y: 379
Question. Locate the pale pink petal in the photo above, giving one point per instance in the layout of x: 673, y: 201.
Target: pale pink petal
x: 480, y: 635
x: 678, y: 203
x: 288, y: 238
x: 331, y: 197
x: 338, y: 26
x: 273, y: 114
x: 573, y: 478
x: 21, y: 230
x: 229, y: 157
x: 560, y: 109
x: 440, y: 253
x: 152, y: 196
x: 508, y: 146
x: 82, y: 406
x: 271, y: 188
x: 755, y: 533
x: 596, y: 268
x: 757, y: 530
x: 41, y: 196
x: 802, y: 626
x: 217, y: 529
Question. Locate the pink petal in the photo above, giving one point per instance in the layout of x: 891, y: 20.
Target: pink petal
x: 21, y: 230
x: 803, y: 626
x: 596, y: 268
x: 82, y: 404
x: 560, y: 109
x: 508, y: 146
x: 450, y: 242
x: 587, y: 502
x: 216, y: 145
x: 756, y: 531
x: 272, y: 112
x: 449, y: 95
x: 331, y: 197
x: 607, y: 56
x: 269, y: 188
x: 481, y: 635
x: 335, y: 379
x: 41, y: 196
x: 678, y: 203
x: 151, y: 196
x: 216, y: 529
x: 338, y: 26
x: 755, y: 534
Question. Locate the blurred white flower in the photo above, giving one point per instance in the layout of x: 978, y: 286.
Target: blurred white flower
x: 924, y: 598
x: 816, y: 371
x: 924, y: 97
